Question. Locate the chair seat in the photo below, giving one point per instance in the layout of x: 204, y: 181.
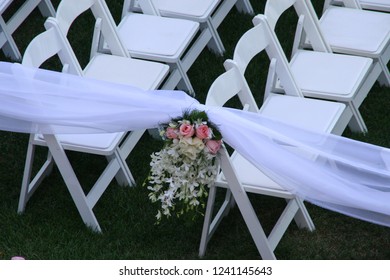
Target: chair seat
x: 251, y: 176
x: 197, y: 10
x: 356, y: 31
x: 144, y: 74
x: 328, y: 74
x: 100, y: 144
x: 112, y: 68
x: 156, y: 38
x: 311, y: 114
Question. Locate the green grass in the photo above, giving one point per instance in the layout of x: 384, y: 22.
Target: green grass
x: 51, y: 227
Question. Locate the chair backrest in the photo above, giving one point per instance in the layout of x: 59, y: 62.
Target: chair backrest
x: 257, y: 39
x: 48, y: 44
x: 69, y: 10
x: 304, y: 9
x: 228, y: 85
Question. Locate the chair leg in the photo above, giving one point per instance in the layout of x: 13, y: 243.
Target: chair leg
x: 46, y: 8
x: 283, y: 222
x: 207, y: 221
x: 83, y: 203
x: 185, y: 82
x: 384, y: 78
x: 124, y: 168
x: 21, y: 14
x: 7, y: 42
x: 24, y: 192
x: 122, y: 175
x: 128, y: 145
x: 244, y: 6
x: 296, y: 210
x: 72, y: 182
x: 215, y: 45
x: 246, y: 209
x: 9, y: 47
x: 356, y: 123
x: 117, y: 167
x: 29, y: 187
x: 302, y: 217
x: 103, y: 182
x: 172, y: 80
x: 209, y: 224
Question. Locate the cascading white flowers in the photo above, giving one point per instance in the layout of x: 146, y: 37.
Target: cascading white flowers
x: 186, y: 164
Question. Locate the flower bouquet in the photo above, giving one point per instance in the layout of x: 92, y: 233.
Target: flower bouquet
x: 186, y: 164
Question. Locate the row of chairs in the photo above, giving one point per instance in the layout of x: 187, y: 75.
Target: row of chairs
x: 325, y: 73
x: 148, y: 35
x: 308, y: 74
x: 209, y: 13
x: 173, y: 37
x: 171, y: 32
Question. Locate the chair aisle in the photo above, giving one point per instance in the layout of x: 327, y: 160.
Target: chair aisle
x: 300, y: 91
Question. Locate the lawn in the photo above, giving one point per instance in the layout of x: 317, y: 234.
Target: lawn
x: 51, y: 227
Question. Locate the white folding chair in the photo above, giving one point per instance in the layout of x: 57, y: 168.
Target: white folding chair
x: 176, y: 42
x: 118, y: 67
x: 353, y: 31
x: 321, y: 73
x: 7, y: 43
x: 209, y: 14
x: 116, y: 147
x: 239, y: 176
x: 374, y: 5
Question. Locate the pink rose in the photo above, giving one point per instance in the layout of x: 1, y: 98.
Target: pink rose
x: 213, y: 146
x: 171, y: 133
x: 202, y: 131
x: 187, y: 130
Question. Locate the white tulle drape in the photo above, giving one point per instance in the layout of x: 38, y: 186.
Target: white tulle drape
x: 334, y: 172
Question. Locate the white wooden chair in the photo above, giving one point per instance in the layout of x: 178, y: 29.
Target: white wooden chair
x: 209, y: 14
x: 238, y: 174
x: 176, y: 42
x: 353, y: 31
x: 119, y: 67
x: 116, y: 147
x: 240, y: 177
x: 321, y: 73
x: 374, y: 5
x: 7, y: 43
